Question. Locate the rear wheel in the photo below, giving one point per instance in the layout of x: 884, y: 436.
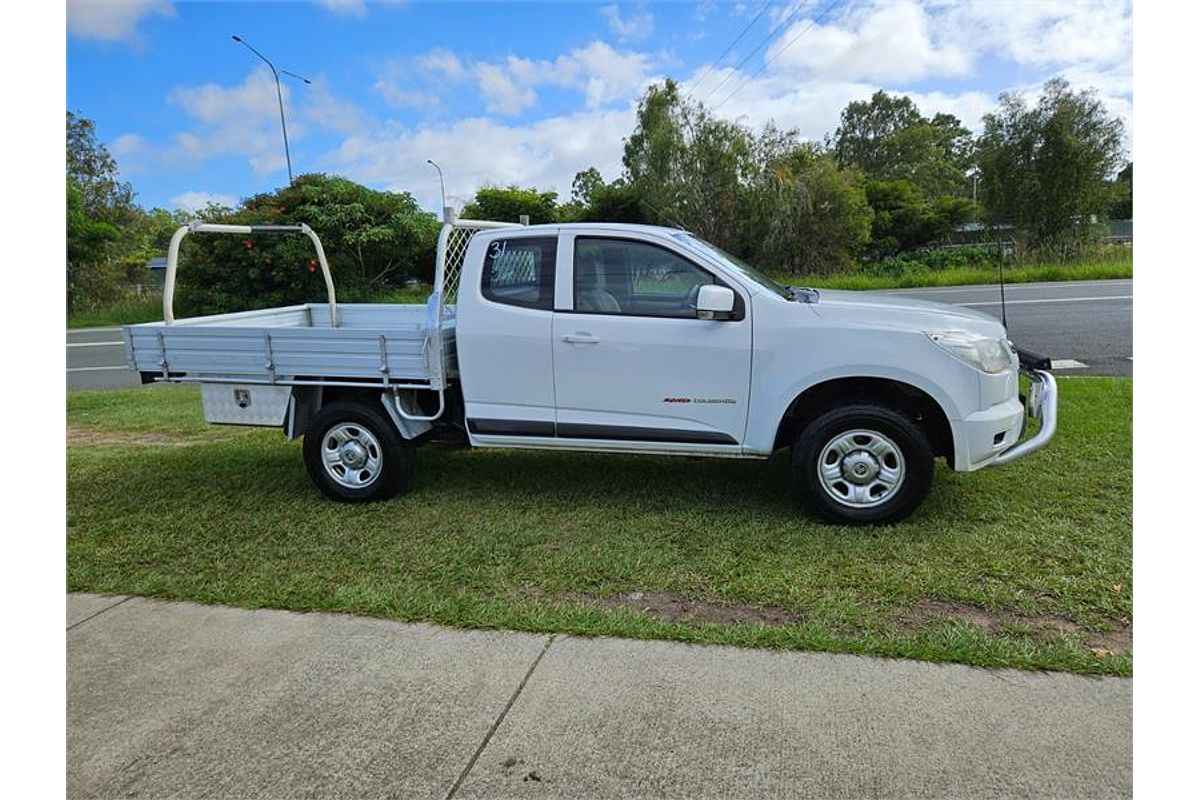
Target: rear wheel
x: 354, y: 454
x: 863, y: 464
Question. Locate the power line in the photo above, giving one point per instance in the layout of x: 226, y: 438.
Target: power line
x: 732, y: 44
x: 725, y: 52
x: 748, y: 55
x: 820, y: 16
x: 778, y: 53
x: 787, y: 20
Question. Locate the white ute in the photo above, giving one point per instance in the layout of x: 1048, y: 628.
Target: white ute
x: 613, y: 338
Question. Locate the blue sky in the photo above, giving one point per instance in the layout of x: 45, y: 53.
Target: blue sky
x: 531, y: 92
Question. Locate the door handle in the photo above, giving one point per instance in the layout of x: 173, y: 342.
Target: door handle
x: 580, y: 338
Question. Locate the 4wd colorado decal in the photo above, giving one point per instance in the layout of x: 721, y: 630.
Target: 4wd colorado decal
x: 724, y: 400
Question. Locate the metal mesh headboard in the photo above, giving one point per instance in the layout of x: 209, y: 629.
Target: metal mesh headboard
x: 452, y: 250
x: 456, y: 251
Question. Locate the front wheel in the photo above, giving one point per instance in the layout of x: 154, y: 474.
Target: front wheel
x: 863, y: 464
x: 354, y: 454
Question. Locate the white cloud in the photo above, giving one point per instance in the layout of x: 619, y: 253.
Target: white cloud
x: 420, y: 82
x: 602, y: 73
x: 128, y: 147
x: 474, y: 151
x: 638, y: 25
x: 609, y: 74
x: 887, y: 42
x: 255, y: 98
x: 349, y: 8
x: 501, y: 94
x: 242, y: 121
x: 509, y: 86
x: 1051, y: 32
x: 196, y: 201
x: 112, y: 20
x: 325, y: 110
x: 892, y: 46
x: 444, y: 62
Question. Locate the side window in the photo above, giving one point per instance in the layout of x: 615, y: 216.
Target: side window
x: 616, y: 276
x: 520, y: 272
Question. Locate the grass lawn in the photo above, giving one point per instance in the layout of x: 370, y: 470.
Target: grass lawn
x: 1024, y: 566
x: 126, y: 312
x: 966, y: 276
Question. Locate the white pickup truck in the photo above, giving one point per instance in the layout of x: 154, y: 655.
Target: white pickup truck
x: 613, y: 338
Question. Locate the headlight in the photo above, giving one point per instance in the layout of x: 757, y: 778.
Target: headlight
x: 981, y: 352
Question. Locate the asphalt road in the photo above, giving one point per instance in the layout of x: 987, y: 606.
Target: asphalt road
x: 96, y: 360
x: 1089, y: 322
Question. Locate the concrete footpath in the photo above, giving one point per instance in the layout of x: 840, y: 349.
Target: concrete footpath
x: 181, y: 700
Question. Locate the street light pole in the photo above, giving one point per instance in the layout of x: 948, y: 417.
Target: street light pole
x: 287, y: 153
x: 442, y: 181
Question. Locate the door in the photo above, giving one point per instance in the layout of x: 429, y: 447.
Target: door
x: 503, y: 339
x: 631, y: 360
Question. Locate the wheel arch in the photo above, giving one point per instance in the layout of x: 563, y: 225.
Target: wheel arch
x: 308, y: 401
x: 912, y: 401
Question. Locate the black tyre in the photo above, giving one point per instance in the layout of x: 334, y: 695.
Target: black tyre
x: 354, y: 454
x: 863, y: 464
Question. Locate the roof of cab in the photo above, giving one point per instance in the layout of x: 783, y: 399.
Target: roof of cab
x: 594, y: 226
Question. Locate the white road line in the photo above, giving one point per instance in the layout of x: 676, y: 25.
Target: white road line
x: 1008, y: 287
x: 94, y: 369
x: 1049, y: 300
x: 1066, y: 363
x: 95, y: 344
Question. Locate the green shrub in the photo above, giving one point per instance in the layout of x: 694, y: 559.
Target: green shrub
x: 374, y: 241
x: 920, y: 261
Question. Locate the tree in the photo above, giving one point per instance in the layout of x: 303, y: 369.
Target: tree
x: 374, y: 240
x: 1047, y: 167
x: 1122, y: 205
x: 508, y: 204
x: 91, y: 273
x: 688, y: 167
x: 618, y: 201
x: 889, y: 140
x: 94, y: 172
x: 804, y: 213
x: 905, y: 219
x: 100, y: 214
x: 765, y: 196
x: 585, y: 185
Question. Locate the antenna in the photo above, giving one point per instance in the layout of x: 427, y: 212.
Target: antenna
x: 1000, y: 265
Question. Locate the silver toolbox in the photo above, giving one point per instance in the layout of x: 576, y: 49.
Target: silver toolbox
x: 245, y: 404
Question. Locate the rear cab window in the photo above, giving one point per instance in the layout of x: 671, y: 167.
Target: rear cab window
x: 520, y: 271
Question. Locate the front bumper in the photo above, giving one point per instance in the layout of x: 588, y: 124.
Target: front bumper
x: 1043, y: 405
x: 993, y: 435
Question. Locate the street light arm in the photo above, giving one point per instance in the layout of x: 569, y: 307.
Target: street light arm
x: 287, y: 153
x: 442, y: 181
x: 250, y: 47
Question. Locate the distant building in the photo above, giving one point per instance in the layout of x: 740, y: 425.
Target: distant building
x: 158, y: 270
x: 1119, y: 231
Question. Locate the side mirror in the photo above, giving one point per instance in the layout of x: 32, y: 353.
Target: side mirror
x: 713, y: 300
